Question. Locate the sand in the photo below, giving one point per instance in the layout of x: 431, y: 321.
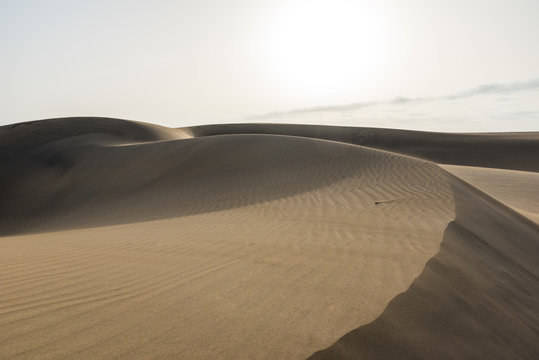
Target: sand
x: 517, y: 189
x: 125, y: 240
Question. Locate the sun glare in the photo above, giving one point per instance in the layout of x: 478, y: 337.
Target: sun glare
x: 326, y: 46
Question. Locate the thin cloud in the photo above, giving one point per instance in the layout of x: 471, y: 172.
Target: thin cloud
x: 498, y: 89
x: 486, y: 89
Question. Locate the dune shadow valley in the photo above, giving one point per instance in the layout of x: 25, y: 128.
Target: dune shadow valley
x: 127, y: 240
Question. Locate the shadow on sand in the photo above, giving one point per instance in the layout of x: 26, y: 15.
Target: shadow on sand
x: 476, y: 299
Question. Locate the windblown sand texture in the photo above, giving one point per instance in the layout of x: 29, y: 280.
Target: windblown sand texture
x: 125, y: 240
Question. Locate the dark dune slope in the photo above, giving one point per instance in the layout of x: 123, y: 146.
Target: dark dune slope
x: 29, y: 135
x: 496, y: 150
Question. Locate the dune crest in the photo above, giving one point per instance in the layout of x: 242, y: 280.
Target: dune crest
x: 127, y: 240
x: 475, y: 299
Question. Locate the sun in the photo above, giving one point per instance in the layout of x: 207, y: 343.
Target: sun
x: 326, y: 45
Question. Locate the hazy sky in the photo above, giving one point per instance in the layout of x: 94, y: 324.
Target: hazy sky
x: 420, y: 64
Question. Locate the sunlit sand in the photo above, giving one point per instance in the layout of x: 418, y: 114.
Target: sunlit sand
x: 125, y: 240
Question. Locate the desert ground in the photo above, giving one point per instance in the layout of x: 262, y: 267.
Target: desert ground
x: 126, y: 240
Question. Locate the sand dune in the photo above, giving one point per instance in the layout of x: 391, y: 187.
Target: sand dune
x: 493, y: 150
x: 125, y: 240
x: 517, y: 189
x: 476, y: 299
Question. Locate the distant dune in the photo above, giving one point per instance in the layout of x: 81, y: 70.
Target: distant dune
x: 126, y: 240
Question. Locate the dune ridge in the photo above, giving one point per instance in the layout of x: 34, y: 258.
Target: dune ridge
x: 125, y: 240
x: 494, y: 150
x: 517, y: 189
x: 475, y: 299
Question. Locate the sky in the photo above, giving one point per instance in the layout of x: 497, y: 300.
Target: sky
x: 460, y: 65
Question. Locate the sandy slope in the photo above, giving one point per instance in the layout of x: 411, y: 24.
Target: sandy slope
x: 128, y: 240
x: 516, y: 151
x: 476, y: 299
x: 517, y: 189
